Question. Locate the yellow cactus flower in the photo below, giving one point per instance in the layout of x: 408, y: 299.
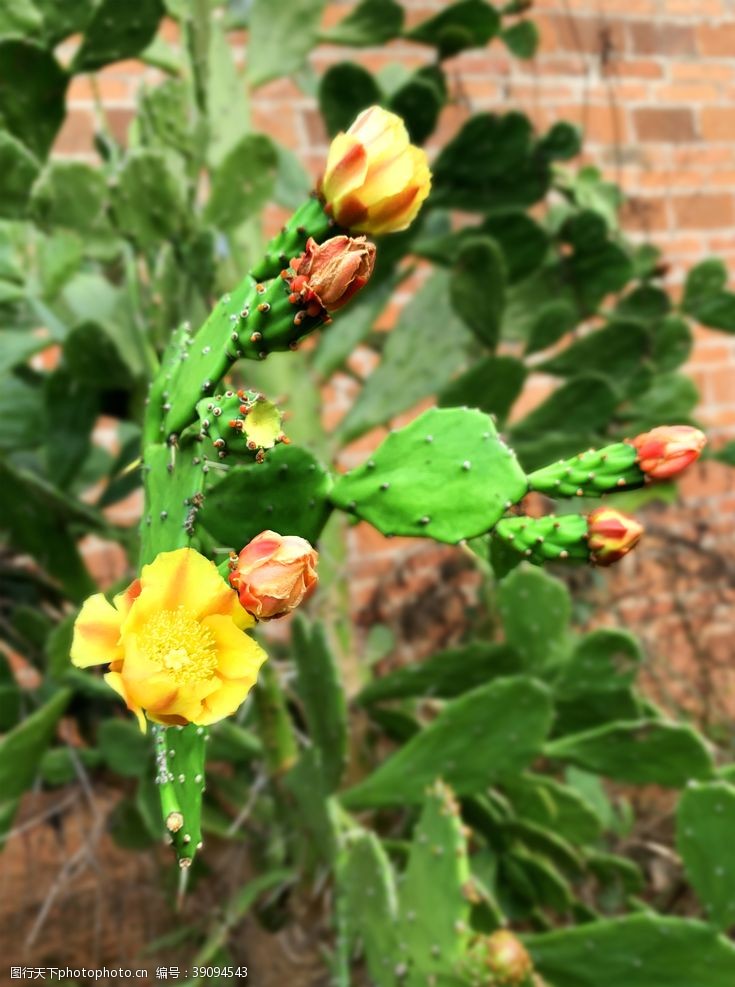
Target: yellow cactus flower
x: 375, y: 179
x: 174, y: 641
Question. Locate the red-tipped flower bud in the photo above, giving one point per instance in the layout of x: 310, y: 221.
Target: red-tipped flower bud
x: 274, y: 573
x: 611, y: 535
x: 668, y: 450
x: 375, y: 179
x: 327, y: 275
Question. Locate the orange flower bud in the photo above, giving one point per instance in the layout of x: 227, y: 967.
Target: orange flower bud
x: 611, y: 535
x: 329, y: 274
x: 667, y: 450
x: 274, y: 573
x: 375, y: 179
x: 499, y: 959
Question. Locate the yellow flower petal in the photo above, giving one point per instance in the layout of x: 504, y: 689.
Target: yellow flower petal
x: 382, y: 133
x: 397, y: 211
x: 238, y: 655
x: 115, y: 681
x: 241, y: 617
x: 182, y: 578
x: 346, y: 168
x: 124, y: 601
x: 393, y: 175
x: 96, y: 633
x: 229, y: 697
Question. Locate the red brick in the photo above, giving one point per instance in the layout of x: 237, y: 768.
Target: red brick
x: 703, y: 211
x: 717, y: 39
x: 592, y: 35
x: 686, y: 93
x: 665, y: 124
x: 661, y: 38
x: 718, y: 123
x: 639, y: 69
x: 119, y: 119
x: 721, y: 385
x: 76, y: 134
x: 645, y: 214
x: 694, y: 8
x: 699, y: 70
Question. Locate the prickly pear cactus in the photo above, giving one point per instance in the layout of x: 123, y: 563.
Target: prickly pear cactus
x: 219, y: 472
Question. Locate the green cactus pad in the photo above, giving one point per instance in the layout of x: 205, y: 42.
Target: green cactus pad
x: 149, y: 198
x: 320, y: 690
x: 605, y: 660
x: 705, y: 825
x: 174, y: 488
x: 180, y: 755
x: 545, y: 539
x: 368, y: 896
x: 535, y: 609
x: 635, y: 951
x: 643, y: 752
x: 560, y: 808
x: 445, y: 476
x: 313, y: 813
x: 488, y: 733
x: 19, y: 170
x: 286, y: 493
x: 117, y: 31
x: 590, y: 474
x: 34, y: 111
x: 446, y: 674
x: 433, y: 903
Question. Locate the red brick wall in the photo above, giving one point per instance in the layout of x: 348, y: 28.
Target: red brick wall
x: 652, y: 82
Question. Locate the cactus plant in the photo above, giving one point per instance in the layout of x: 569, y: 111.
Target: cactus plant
x: 217, y: 474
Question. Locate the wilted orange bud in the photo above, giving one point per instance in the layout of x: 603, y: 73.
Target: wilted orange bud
x: 611, y: 535
x: 375, y: 179
x: 668, y: 450
x: 329, y: 274
x: 274, y: 573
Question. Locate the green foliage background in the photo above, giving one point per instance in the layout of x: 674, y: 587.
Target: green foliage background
x: 526, y: 720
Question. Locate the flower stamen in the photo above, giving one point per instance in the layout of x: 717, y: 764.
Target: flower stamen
x: 178, y: 643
